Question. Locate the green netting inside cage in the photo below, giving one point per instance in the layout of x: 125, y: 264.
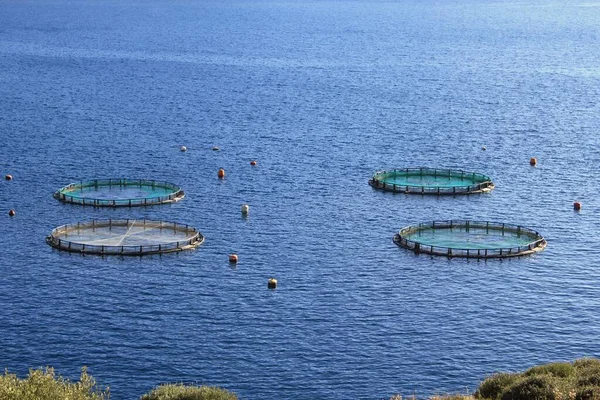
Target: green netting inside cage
x: 472, y: 239
x: 124, y: 237
x: 431, y: 181
x: 119, y: 193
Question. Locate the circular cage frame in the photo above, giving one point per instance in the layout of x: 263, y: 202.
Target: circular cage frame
x: 63, y: 194
x: 481, y: 183
x: 535, y: 246
x: 55, y: 240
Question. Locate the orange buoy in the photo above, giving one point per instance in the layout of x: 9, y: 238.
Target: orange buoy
x: 233, y: 258
x: 12, y: 213
x: 272, y: 283
x: 221, y: 173
x: 8, y: 177
x: 533, y: 161
x: 577, y: 206
x: 253, y: 163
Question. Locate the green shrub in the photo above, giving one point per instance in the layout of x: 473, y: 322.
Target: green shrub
x: 44, y: 385
x: 588, y: 393
x: 559, y: 369
x: 588, y: 372
x: 184, y: 392
x: 494, y: 385
x: 536, y: 387
x: 584, y: 364
x: 588, y: 380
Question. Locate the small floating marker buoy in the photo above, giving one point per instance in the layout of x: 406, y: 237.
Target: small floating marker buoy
x: 533, y: 161
x: 577, y: 206
x: 216, y: 148
x: 183, y: 149
x: 221, y: 173
x: 483, y: 148
x: 272, y: 283
x: 12, y: 213
x: 8, y: 177
x: 253, y: 163
x: 233, y: 258
x: 245, y: 209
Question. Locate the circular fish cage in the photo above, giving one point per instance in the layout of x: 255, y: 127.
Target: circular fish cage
x: 470, y: 239
x: 124, y: 237
x: 119, y: 193
x: 431, y: 181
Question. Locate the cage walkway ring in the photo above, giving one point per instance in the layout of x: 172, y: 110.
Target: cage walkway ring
x: 119, y: 193
x: 431, y: 181
x: 124, y: 237
x: 470, y: 239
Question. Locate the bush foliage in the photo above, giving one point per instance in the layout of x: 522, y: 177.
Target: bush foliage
x: 579, y: 380
x: 183, y: 392
x: 45, y: 385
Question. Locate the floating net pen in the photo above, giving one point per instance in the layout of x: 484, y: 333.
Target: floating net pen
x: 431, y: 181
x: 119, y: 193
x: 470, y: 239
x: 124, y: 237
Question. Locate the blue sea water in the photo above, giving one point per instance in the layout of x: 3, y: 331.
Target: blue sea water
x: 322, y: 94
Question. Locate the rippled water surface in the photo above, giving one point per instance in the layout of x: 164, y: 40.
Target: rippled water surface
x: 322, y: 94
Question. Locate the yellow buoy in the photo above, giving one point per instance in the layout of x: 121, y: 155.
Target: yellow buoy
x: 221, y: 173
x: 245, y: 209
x: 8, y: 177
x: 577, y: 206
x: 233, y: 258
x: 183, y: 148
x: 272, y: 283
x: 12, y: 213
x: 533, y: 161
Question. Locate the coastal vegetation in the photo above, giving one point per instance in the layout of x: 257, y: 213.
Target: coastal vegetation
x: 187, y: 392
x: 579, y: 380
x: 43, y: 384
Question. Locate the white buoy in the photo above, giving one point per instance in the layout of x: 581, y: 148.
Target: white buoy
x: 183, y: 148
x: 245, y: 209
x: 483, y: 148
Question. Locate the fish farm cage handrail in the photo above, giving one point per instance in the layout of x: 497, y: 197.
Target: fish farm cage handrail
x: 536, y: 245
x: 482, y: 182
x: 442, y: 171
x: 432, y: 189
x: 458, y: 223
x: 135, y: 201
x: 56, y: 242
x: 529, y: 245
x: 471, y: 253
x: 122, y: 181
